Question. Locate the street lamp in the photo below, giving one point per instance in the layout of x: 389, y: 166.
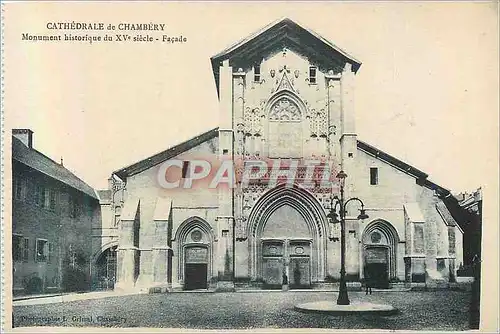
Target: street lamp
x: 343, y: 298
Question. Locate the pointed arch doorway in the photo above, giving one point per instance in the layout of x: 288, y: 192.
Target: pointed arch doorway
x: 380, y: 241
x: 195, y: 240
x: 287, y: 238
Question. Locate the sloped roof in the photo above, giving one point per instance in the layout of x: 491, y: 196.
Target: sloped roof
x: 403, y: 166
x: 462, y: 217
x: 445, y: 214
x: 40, y: 162
x: 276, y: 36
x: 160, y: 157
x: 104, y: 194
x: 391, y: 160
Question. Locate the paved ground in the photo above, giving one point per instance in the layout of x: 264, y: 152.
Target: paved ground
x: 66, y: 297
x: 441, y: 310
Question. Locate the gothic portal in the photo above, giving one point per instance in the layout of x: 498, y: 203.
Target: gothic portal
x: 287, y: 228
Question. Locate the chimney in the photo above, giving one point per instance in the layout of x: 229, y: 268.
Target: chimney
x: 24, y: 135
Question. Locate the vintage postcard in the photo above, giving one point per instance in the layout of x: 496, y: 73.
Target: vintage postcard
x: 250, y: 166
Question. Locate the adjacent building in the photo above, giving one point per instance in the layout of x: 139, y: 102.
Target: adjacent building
x: 286, y: 98
x: 472, y: 216
x: 52, y: 215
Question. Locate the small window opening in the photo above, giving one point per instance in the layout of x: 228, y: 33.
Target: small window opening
x: 19, y: 188
x: 73, y: 206
x: 52, y: 200
x: 225, y: 151
x: 185, y: 166
x: 256, y: 73
x: 40, y: 195
x: 373, y: 175
x: 26, y: 249
x: 312, y: 75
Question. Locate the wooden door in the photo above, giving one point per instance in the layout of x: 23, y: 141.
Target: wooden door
x: 300, y: 272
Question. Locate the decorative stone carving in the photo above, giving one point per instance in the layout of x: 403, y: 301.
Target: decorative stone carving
x: 240, y: 127
x: 240, y: 228
x: 316, y: 218
x: 284, y: 83
x: 318, y: 124
x: 322, y: 123
x: 299, y: 250
x: 332, y: 130
x: 253, y: 124
x: 334, y: 232
x: 250, y: 195
x: 285, y: 69
x: 284, y: 110
x: 196, y: 235
x: 375, y: 237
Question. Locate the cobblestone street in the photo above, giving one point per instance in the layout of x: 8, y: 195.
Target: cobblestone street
x: 441, y: 310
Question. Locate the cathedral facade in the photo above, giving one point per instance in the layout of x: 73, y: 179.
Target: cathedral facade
x: 286, y: 131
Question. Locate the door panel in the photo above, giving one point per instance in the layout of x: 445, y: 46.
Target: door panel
x: 272, y: 272
x: 300, y: 274
x: 376, y: 269
x: 377, y: 275
x: 196, y: 276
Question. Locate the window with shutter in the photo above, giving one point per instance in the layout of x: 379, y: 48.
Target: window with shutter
x: 52, y: 199
x: 26, y: 249
x: 50, y: 254
x: 17, y: 251
x: 41, y: 250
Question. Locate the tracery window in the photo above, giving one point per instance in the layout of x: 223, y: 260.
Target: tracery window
x: 284, y: 110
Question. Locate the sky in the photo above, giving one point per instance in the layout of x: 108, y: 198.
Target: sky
x: 427, y: 91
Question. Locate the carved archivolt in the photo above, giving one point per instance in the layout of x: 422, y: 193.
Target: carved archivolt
x: 381, y: 233
x: 303, y: 201
x: 284, y: 109
x: 310, y: 209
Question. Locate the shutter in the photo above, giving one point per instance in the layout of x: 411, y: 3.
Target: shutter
x: 49, y: 255
x: 26, y: 250
x: 46, y: 250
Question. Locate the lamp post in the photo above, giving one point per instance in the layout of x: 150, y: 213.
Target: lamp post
x: 343, y: 298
